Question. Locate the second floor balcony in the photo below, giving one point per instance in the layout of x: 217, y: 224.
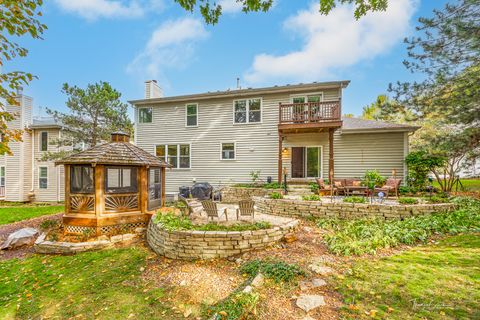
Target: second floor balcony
x: 310, y: 116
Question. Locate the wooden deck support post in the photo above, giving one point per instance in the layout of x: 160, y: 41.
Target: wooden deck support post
x: 330, y: 160
x: 280, y: 148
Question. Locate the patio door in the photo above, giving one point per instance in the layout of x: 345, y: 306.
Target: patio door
x: 312, y: 162
x: 154, y: 188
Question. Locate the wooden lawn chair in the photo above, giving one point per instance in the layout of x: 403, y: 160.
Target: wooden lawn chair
x: 212, y: 211
x: 246, y: 208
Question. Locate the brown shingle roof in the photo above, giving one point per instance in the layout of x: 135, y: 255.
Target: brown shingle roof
x: 358, y: 124
x: 115, y: 153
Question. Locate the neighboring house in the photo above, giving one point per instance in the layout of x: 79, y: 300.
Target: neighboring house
x: 23, y: 175
x: 220, y: 137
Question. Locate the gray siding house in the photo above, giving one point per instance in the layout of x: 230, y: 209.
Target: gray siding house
x: 220, y: 137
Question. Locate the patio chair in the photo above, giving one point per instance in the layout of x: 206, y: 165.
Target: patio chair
x: 324, y: 188
x: 212, y: 211
x: 246, y: 209
x: 391, y: 186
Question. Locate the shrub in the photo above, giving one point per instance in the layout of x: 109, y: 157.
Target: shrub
x: 437, y: 199
x: 314, y: 187
x: 255, y: 175
x: 276, y: 270
x: 407, y: 200
x: 239, y: 305
x: 360, y: 236
x: 407, y: 190
x: 49, y: 224
x: 311, y: 197
x: 373, y: 178
x: 272, y: 185
x: 355, y: 199
x: 172, y: 222
x: 276, y: 195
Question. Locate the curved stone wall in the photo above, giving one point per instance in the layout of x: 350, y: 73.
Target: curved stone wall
x: 235, y: 194
x: 301, y: 208
x: 191, y: 244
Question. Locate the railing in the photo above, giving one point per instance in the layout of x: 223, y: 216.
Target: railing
x: 121, y: 202
x: 311, y: 112
x: 2, y: 192
x: 82, y: 203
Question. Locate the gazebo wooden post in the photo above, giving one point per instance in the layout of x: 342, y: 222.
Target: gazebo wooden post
x: 143, y: 188
x: 330, y: 161
x: 99, y: 193
x: 67, y: 188
x: 162, y: 177
x: 280, y: 158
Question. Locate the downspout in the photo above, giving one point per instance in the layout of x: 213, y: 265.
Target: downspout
x: 33, y: 161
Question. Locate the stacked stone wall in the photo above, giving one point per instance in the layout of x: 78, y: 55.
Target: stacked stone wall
x: 235, y: 194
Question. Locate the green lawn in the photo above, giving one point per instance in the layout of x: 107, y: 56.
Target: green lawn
x: 93, y: 285
x: 23, y: 212
x: 440, y: 281
x: 468, y: 185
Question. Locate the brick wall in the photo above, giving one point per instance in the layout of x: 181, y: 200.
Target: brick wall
x: 300, y: 208
x: 235, y: 194
x: 190, y: 245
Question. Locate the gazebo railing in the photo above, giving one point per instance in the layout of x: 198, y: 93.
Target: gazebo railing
x: 123, y: 202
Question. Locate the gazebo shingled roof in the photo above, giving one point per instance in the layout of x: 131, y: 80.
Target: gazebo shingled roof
x: 115, y: 153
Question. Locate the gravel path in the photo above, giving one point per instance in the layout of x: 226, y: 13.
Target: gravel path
x: 7, y: 229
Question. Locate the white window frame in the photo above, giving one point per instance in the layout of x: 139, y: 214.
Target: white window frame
x: 186, y: 115
x: 178, y: 154
x: 248, y: 111
x: 139, y: 118
x: 306, y: 95
x: 41, y: 142
x: 320, y: 158
x: 234, y: 150
x: 40, y: 177
x: 4, y: 176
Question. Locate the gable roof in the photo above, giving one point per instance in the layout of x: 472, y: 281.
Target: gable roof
x: 352, y: 125
x: 245, y: 92
x: 115, y: 153
x: 44, y: 123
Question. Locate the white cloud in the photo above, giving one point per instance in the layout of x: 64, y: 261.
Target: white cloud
x: 333, y: 42
x: 171, y: 45
x: 95, y: 9
x: 230, y: 6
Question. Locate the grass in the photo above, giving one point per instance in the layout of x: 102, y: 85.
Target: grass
x: 367, y: 235
x: 24, y: 212
x: 239, y: 305
x: 440, y: 281
x: 407, y: 200
x: 468, y: 185
x: 172, y: 222
x: 93, y: 285
x: 276, y: 270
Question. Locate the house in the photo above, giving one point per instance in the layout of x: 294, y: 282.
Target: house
x: 25, y: 176
x: 221, y: 137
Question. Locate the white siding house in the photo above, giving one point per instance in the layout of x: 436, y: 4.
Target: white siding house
x: 220, y: 137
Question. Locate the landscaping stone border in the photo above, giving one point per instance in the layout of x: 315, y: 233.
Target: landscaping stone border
x: 235, y: 194
x: 67, y: 248
x: 192, y: 244
x: 301, y: 208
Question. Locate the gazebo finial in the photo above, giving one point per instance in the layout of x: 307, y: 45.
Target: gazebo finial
x: 120, y: 136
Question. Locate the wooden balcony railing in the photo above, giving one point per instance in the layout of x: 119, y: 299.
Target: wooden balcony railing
x: 311, y: 112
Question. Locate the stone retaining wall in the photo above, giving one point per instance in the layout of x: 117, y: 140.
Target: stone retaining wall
x: 191, y: 245
x: 300, y: 208
x: 235, y: 194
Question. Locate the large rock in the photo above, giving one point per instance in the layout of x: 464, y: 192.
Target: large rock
x: 22, y: 237
x: 309, y: 302
x: 202, y: 191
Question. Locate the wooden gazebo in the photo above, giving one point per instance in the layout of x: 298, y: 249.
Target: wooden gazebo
x: 111, y: 188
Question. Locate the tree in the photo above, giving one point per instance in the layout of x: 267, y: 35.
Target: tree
x: 446, y: 53
x: 94, y: 113
x: 17, y: 18
x: 211, y: 10
x: 386, y: 109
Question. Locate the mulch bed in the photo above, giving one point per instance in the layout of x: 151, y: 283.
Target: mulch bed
x: 7, y: 229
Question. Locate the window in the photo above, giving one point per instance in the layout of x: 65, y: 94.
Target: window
x: 2, y: 176
x: 178, y: 155
x: 81, y: 179
x: 248, y: 111
x: 121, y: 180
x: 43, y: 177
x: 228, y: 151
x: 192, y: 115
x: 44, y: 141
x: 145, y: 115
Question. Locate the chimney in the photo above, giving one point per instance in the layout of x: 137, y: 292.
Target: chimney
x: 152, y: 90
x: 120, y: 136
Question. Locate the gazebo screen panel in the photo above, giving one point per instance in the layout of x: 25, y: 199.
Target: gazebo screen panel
x: 82, y: 189
x: 121, y: 179
x: 154, y: 188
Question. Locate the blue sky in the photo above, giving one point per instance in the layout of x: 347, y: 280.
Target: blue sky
x: 127, y: 42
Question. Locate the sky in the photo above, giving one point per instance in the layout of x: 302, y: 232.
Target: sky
x: 126, y: 42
